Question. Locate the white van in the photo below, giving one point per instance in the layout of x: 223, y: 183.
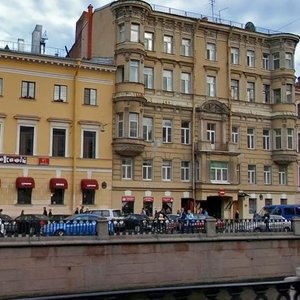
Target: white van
x: 107, y: 213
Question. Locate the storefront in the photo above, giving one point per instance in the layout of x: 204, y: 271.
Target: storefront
x: 57, y: 187
x: 88, y: 188
x: 167, y: 204
x: 128, y: 204
x: 148, y: 205
x: 24, y: 186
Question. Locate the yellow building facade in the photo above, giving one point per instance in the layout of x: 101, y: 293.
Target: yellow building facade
x: 204, y: 112
x: 55, y: 133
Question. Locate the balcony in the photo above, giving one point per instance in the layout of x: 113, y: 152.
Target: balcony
x: 128, y: 147
x: 284, y: 157
x: 222, y: 148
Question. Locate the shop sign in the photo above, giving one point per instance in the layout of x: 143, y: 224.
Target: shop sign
x: 128, y: 198
x: 12, y: 159
x: 148, y: 199
x: 222, y: 192
x: 167, y: 199
x: 44, y: 161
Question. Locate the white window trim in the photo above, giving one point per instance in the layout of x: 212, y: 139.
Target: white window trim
x: 89, y: 128
x: 28, y: 123
x: 57, y: 125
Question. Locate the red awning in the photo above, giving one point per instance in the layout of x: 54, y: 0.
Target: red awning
x: 25, y: 183
x: 89, y: 184
x: 128, y: 198
x: 58, y: 183
x: 167, y: 199
x: 148, y: 199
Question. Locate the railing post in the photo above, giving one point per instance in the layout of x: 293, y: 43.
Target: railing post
x: 296, y: 226
x: 210, y: 227
x: 102, y: 229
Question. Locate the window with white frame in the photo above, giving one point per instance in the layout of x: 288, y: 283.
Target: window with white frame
x: 266, y: 61
x: 59, y: 142
x: 134, y: 33
x: 185, y: 132
x: 147, y: 169
x: 133, y: 125
x: 252, y: 205
x: 250, y: 58
x: 120, y: 74
x: 277, y: 95
x: 235, y: 134
x: 121, y: 33
x: 167, y: 131
x: 185, y: 83
x: 251, y: 174
x: 234, y: 89
x: 290, y: 138
x: 89, y: 143
x: 167, y: 80
x: 185, y: 170
x: 282, y: 173
x: 90, y: 96
x: 235, y: 55
x: 266, y: 139
x: 168, y: 44
x: 211, y: 132
x: 289, y: 93
x: 211, y: 86
x: 266, y: 93
x: 1, y: 86
x: 147, y: 129
x: 251, y: 91
x: 28, y: 90
x: 167, y: 170
x: 267, y: 175
x: 60, y: 93
x: 211, y: 53
x: 186, y: 47
x: 149, y: 78
x: 120, y: 125
x: 149, y: 41
x: 289, y: 61
x: 26, y: 140
x: 250, y: 138
x: 277, y: 138
x: 276, y: 60
x: 127, y: 168
x: 219, y: 171
x: 134, y: 71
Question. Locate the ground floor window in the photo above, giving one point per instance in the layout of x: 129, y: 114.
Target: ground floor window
x: 57, y: 196
x: 148, y: 206
x: 127, y: 207
x: 252, y: 206
x: 167, y: 207
x: 24, y: 195
x: 88, y: 197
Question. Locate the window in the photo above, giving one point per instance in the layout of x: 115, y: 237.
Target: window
x: 211, y: 86
x: 235, y: 56
x: 234, y: 89
x: 266, y: 61
x: 24, y: 195
x: 185, y: 83
x: 26, y: 140
x: 134, y: 71
x: 250, y: 91
x: 267, y: 175
x: 28, y: 90
x: 211, y: 52
x: 88, y: 197
x: 251, y: 174
x: 289, y: 93
x: 1, y: 86
x: 57, y: 196
x: 168, y: 44
x: 289, y: 61
x: 149, y: 78
x: 266, y: 93
x: 276, y: 61
x: 58, y: 142
x: 250, y: 58
x: 148, y: 39
x: 89, y: 144
x: 250, y: 138
x: 211, y: 132
x: 167, y: 131
x: 167, y: 170
x: 235, y: 135
x: 121, y: 33
x: 277, y: 137
x: 126, y: 168
x: 277, y: 96
x: 60, y: 93
x: 147, y: 129
x: 133, y: 125
x: 147, y: 169
x: 185, y: 132
x: 90, y: 96
x: 218, y: 171
x: 167, y: 80
x: 120, y: 74
x: 197, y: 170
x: 186, y: 47
x: 252, y: 205
x: 185, y: 171
x: 135, y: 33
x: 282, y: 173
x: 120, y: 125
x: 266, y: 139
x: 290, y: 138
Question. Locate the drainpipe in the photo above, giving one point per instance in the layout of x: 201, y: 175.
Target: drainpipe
x: 74, y: 131
x: 90, y: 31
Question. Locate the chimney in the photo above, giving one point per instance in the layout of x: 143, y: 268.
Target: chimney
x: 36, y: 39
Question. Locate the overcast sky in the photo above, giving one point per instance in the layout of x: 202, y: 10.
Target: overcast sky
x: 58, y: 17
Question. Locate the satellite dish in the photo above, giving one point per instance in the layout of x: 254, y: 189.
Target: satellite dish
x: 250, y: 26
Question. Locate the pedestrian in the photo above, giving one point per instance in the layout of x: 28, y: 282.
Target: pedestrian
x: 22, y: 212
x: 45, y: 213
x: 76, y: 211
x: 143, y: 212
x: 267, y: 220
x: 237, y: 215
x: 81, y: 209
x: 50, y: 213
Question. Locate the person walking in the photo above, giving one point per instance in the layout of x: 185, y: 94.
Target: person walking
x: 45, y: 213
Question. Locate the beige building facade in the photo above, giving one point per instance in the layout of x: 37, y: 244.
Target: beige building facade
x: 55, y: 133
x: 204, y: 112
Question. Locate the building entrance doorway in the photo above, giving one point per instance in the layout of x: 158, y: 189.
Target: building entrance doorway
x: 213, y: 205
x: 187, y: 204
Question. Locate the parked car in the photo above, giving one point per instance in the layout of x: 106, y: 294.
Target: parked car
x: 9, y: 225
x: 137, y: 223
x: 78, y: 224
x: 30, y: 223
x: 287, y: 211
x: 276, y: 223
x: 107, y: 213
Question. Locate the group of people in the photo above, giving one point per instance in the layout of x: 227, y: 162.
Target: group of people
x: 46, y: 213
x: 80, y: 210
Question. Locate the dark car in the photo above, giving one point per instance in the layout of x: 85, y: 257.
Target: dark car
x: 9, y: 224
x: 137, y: 223
x: 30, y: 223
